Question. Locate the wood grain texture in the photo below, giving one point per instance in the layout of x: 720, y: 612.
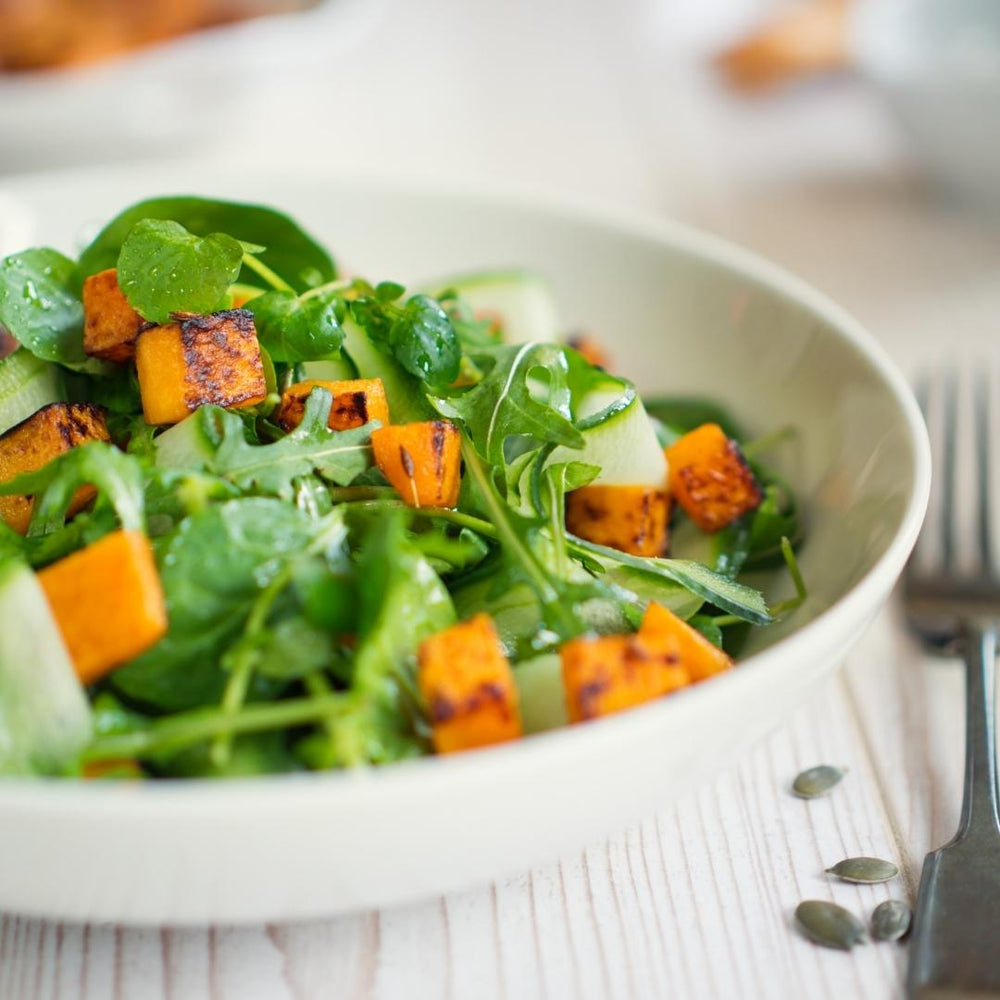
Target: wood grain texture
x: 695, y: 902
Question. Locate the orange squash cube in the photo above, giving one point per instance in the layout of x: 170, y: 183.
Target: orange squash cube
x: 110, y: 325
x: 666, y: 634
x: 34, y: 442
x: 468, y: 687
x: 196, y: 361
x: 608, y: 674
x: 628, y: 518
x: 107, y: 601
x: 423, y: 461
x: 710, y: 478
x: 355, y: 402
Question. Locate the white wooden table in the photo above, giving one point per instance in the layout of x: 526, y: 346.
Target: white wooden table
x: 697, y: 901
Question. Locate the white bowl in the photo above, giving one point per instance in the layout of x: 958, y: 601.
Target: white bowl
x: 681, y: 312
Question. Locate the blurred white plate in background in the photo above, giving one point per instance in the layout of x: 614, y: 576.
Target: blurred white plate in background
x: 195, y: 93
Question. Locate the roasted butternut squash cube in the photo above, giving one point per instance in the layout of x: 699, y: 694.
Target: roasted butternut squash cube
x: 591, y: 350
x: 608, y: 674
x: 107, y: 601
x: 34, y: 442
x: 423, y: 461
x: 666, y: 634
x: 110, y: 325
x: 196, y: 361
x: 710, y: 479
x: 468, y: 687
x: 628, y: 518
x: 355, y: 402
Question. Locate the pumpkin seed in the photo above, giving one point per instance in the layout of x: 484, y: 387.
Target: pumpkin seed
x: 817, y: 781
x: 890, y: 920
x: 830, y: 925
x: 865, y: 870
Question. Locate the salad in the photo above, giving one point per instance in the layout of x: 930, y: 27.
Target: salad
x: 259, y: 516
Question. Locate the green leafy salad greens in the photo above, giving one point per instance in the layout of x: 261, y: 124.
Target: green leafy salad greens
x: 298, y: 583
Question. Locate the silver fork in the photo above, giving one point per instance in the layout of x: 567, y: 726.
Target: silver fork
x: 955, y: 608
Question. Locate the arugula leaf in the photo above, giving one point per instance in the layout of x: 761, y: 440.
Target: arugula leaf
x: 117, y: 477
x: 40, y: 305
x: 403, y: 602
x: 212, y: 567
x: 744, y: 602
x: 293, y: 328
x: 506, y: 402
x: 299, y: 259
x: 337, y: 456
x: 164, y: 269
x: 418, y: 334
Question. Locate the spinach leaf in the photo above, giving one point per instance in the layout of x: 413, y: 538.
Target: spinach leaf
x: 299, y: 259
x: 524, y: 393
x: 117, y: 477
x: 337, y: 456
x: 40, y: 305
x: 293, y: 328
x: 212, y: 567
x: 684, y: 413
x: 754, y: 540
x: 418, y: 334
x: 251, y: 754
x: 164, y: 269
x: 403, y: 602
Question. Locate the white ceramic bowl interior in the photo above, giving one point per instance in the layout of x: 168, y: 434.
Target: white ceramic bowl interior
x: 681, y: 312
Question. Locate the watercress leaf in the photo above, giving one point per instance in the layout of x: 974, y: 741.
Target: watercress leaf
x: 292, y: 648
x: 293, y: 254
x: 212, y: 567
x: 328, y: 594
x: 388, y: 291
x: 418, y: 335
x: 40, y: 305
x: 292, y: 329
x: 163, y: 269
x: 525, y: 392
x: 403, y: 602
x: 423, y: 341
x: 117, y: 477
x: 337, y: 456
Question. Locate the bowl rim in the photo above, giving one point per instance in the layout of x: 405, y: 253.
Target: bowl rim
x: 857, y: 604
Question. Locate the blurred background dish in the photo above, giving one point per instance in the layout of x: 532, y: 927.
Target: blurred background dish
x: 48, y: 34
x: 936, y: 62
x: 92, y: 80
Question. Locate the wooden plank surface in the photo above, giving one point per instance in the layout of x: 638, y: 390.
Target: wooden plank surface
x: 695, y: 902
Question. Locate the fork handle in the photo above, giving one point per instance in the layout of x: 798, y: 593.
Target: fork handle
x: 979, y: 803
x: 955, y: 950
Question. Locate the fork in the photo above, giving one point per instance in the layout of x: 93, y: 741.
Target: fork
x: 955, y: 608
